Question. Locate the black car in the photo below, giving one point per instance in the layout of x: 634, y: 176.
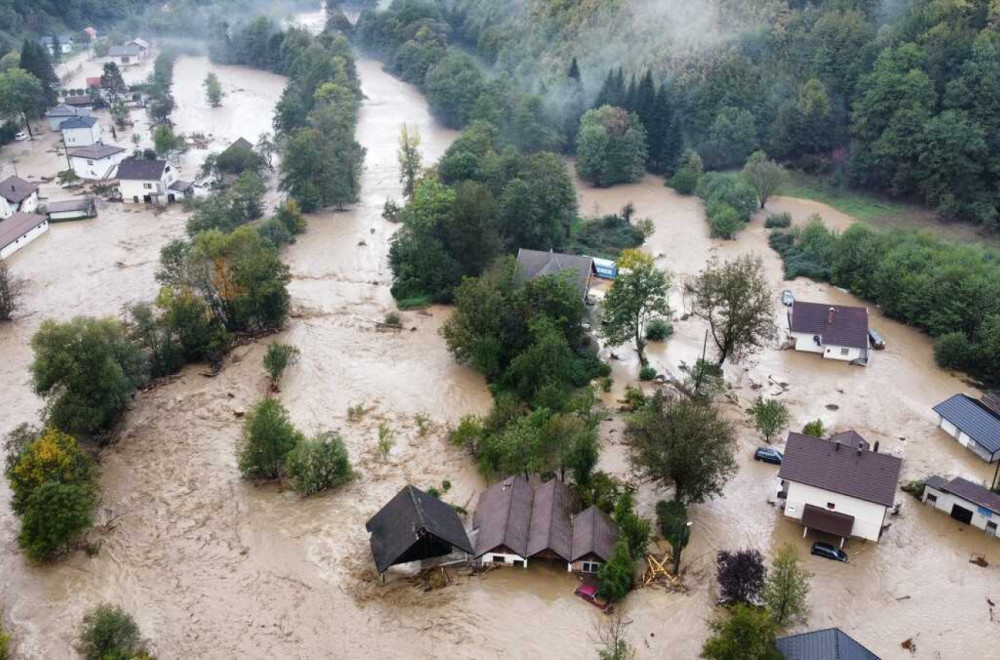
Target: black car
x: 875, y: 339
x: 768, y: 455
x: 827, y: 551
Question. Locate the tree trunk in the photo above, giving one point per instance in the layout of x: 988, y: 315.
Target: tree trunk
x: 27, y: 125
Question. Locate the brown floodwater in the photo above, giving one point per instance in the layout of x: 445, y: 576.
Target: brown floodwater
x: 213, y: 567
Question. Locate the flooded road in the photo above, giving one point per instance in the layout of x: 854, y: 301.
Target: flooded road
x: 212, y: 567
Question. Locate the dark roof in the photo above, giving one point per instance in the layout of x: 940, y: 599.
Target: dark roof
x: 95, y: 151
x: 829, y: 644
x: 15, y: 189
x: 181, y: 186
x: 79, y: 204
x: 977, y: 420
x: 847, y: 326
x: 551, y: 526
x: 132, y: 169
x: 503, y: 515
x: 967, y: 490
x: 241, y: 143
x: 533, y: 263
x: 831, y: 522
x: 856, y: 473
x: 17, y: 226
x: 80, y: 100
x: 62, y: 110
x: 852, y: 439
x: 78, y: 122
x: 403, y: 526
x: 593, y: 533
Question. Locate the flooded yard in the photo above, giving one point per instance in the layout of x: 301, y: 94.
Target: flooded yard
x: 213, y: 567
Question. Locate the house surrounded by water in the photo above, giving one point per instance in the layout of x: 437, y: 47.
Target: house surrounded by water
x: 17, y: 195
x: 965, y: 501
x: 837, y: 332
x: 536, y: 263
x: 975, y: 423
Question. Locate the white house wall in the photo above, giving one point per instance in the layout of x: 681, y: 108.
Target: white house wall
x: 132, y: 189
x: 28, y: 205
x: 945, y: 502
x: 804, y: 342
x: 964, y: 440
x: 500, y: 557
x: 87, y: 168
x: 24, y: 240
x: 868, y: 516
x: 82, y: 137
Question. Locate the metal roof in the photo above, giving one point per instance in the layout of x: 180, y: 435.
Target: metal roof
x: 829, y: 644
x: 95, y: 151
x: 978, y: 421
x: 78, y: 122
x: 17, y: 226
x: 128, y: 50
x: 837, y: 325
x: 15, y: 189
x: 503, y: 515
x: 62, y: 110
x: 80, y: 204
x: 534, y: 263
x: 133, y: 169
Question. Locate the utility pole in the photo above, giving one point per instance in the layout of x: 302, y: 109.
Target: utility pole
x: 700, y: 365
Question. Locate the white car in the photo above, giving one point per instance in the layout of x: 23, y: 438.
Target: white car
x: 787, y: 298
x: 21, y: 136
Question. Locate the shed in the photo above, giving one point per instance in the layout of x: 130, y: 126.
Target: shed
x: 80, y: 101
x: 72, y: 209
x: 61, y: 113
x: 828, y: 644
x: 415, y: 526
x: 965, y: 501
x: 534, y: 263
x: 975, y: 424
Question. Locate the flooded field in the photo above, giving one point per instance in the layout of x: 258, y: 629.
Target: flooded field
x: 212, y: 567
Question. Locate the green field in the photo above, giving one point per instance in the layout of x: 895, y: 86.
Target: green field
x: 855, y: 203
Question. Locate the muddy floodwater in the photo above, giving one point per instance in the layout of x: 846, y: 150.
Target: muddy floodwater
x: 213, y: 567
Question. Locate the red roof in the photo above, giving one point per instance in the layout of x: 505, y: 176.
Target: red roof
x: 94, y: 83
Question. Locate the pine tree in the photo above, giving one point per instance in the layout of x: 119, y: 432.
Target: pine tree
x: 645, y: 98
x: 618, y: 98
x: 605, y: 96
x: 574, y: 71
x: 630, y: 96
x: 35, y: 60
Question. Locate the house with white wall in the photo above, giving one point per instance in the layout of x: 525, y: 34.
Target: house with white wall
x: 127, y: 55
x: 60, y: 113
x: 65, y: 44
x: 81, y: 131
x: 97, y: 161
x: 965, y: 501
x: 20, y: 229
x: 147, y: 181
x: 837, y: 332
x: 17, y: 195
x: 974, y: 423
x: 838, y: 486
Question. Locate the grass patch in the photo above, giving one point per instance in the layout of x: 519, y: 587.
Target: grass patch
x: 414, y: 302
x: 858, y: 204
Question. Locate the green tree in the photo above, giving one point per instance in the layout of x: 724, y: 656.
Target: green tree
x: 815, y: 429
x: 766, y: 176
x: 165, y: 141
x: 611, y: 147
x: 770, y: 417
x: 35, y: 459
x: 736, y: 301
x: 110, y: 633
x: 21, y: 97
x: 112, y: 83
x: 634, y: 297
x: 688, y: 175
x: 742, y: 633
x: 787, y: 587
x: 36, y: 61
x: 682, y: 443
x: 616, y: 575
x: 213, y: 90
x: 11, y: 60
x: 319, y: 463
x: 731, y: 138
x: 409, y: 157
x: 672, y: 519
x: 277, y: 358
x: 11, y: 292
x: 453, y: 85
x: 55, y: 515
x: 633, y: 528
x: 268, y: 437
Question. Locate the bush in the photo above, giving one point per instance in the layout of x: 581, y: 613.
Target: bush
x: 647, y: 373
x: 616, y: 575
x: 50, y: 457
x: 319, y: 463
x: 434, y: 492
x: 815, y: 428
x: 274, y: 232
x: 55, y: 516
x: 268, y: 437
x: 724, y: 221
x: 4, y: 644
x: 954, y: 350
x: 741, y: 576
x: 393, y: 318
x: 730, y: 189
x: 277, y: 358
x: 688, y: 175
x: 658, y: 330
x: 781, y: 220
x: 110, y: 633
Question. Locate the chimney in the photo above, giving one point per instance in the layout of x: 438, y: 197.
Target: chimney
x: 836, y: 446
x: 833, y: 312
x: 859, y: 451
x: 875, y: 448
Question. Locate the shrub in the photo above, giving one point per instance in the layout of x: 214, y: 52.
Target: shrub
x: 274, y: 232
x: 319, y: 463
x: 688, y: 174
x: 658, y: 330
x: 634, y: 398
x: 276, y: 360
x: 290, y: 215
x: 110, y: 633
x: 422, y: 421
x: 724, y: 221
x: 385, y: 439
x: 51, y: 457
x: 954, y: 350
x: 746, y: 632
x: 268, y: 436
x: 647, y: 373
x: 781, y: 220
x: 356, y: 413
x: 446, y: 485
x: 4, y: 644
x: 815, y: 428
x: 616, y: 575
x: 434, y: 492
x: 393, y: 318
x: 55, y: 516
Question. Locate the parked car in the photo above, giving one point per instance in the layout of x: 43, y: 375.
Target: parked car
x: 768, y: 455
x: 588, y: 592
x: 20, y: 136
x: 875, y: 339
x: 828, y: 551
x: 787, y: 298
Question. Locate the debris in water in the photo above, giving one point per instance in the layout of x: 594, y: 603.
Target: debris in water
x: 979, y: 560
x: 832, y: 406
x: 909, y: 645
x: 361, y: 242
x: 239, y: 413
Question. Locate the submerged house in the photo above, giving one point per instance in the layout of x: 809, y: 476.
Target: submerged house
x: 72, y: 209
x: 81, y: 131
x: 974, y: 423
x: 149, y: 181
x: 965, y: 501
x: 828, y: 644
x: 127, y: 55
x: 415, y: 526
x: 96, y: 161
x: 535, y: 263
x: 20, y: 229
x: 17, y: 195
x: 838, y: 486
x: 516, y: 521
x: 837, y: 332
x: 62, y: 112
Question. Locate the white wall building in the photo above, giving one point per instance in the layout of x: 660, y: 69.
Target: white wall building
x: 147, y: 181
x: 20, y: 229
x: 838, y: 486
x: 57, y: 115
x: 81, y: 131
x: 975, y: 424
x: 16, y: 194
x: 837, y: 332
x: 964, y: 501
x: 95, y: 162
x: 127, y: 55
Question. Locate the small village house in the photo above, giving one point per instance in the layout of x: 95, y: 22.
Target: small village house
x: 83, y: 102
x: 828, y: 644
x: 20, y: 229
x: 96, y: 161
x: 837, y: 332
x: 17, y: 195
x: 65, y: 44
x: 974, y: 423
x: 535, y: 263
x: 838, y: 486
x: 81, y: 131
x: 57, y: 115
x: 415, y: 526
x: 148, y: 181
x: 71, y: 209
x: 127, y: 55
x: 965, y: 501
x: 141, y: 44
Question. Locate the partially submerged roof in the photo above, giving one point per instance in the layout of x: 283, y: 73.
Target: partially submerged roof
x: 62, y: 110
x: 594, y: 533
x: 78, y: 122
x: 829, y: 644
x: 858, y: 473
x: 141, y: 43
x: 133, y: 169
x: 15, y: 189
x: 412, y: 526
x: 967, y: 490
x: 95, y: 151
x: 17, y: 226
x: 551, y: 526
x: 181, y: 186
x: 825, y: 520
x: 534, y: 263
x: 503, y: 515
x: 64, y: 206
x: 976, y: 419
x: 837, y: 325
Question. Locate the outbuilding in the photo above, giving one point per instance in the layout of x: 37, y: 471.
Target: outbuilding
x: 974, y: 423
x: 81, y: 131
x: 828, y: 644
x: 146, y: 181
x: 17, y: 195
x: 965, y: 501
x: 837, y: 332
x: 71, y: 209
x: 127, y: 55
x: 65, y: 44
x: 20, y: 229
x: 95, y: 162
x: 57, y: 115
x: 84, y: 102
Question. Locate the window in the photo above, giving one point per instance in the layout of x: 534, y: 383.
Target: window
x: 147, y: 186
x: 845, y: 351
x: 831, y: 506
x: 590, y: 566
x: 931, y: 498
x: 90, y: 162
x: 498, y: 559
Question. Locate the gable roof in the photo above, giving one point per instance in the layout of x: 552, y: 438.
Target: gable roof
x: 132, y: 169
x: 851, y: 439
x: 62, y: 206
x: 551, y: 525
x: 241, y: 143
x: 78, y: 122
x: 838, y: 325
x: 141, y: 43
x: 593, y: 533
x: 62, y: 110
x: 15, y: 189
x: 18, y: 225
x: 829, y: 644
x: 406, y: 521
x: 503, y: 515
x: 129, y: 50
x: 862, y: 474
x: 534, y: 263
x: 976, y: 419
x: 967, y: 490
x: 95, y: 151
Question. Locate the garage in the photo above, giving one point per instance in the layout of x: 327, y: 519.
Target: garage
x: 961, y: 514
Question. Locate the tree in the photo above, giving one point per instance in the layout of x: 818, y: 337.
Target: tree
x: 736, y: 301
x: 732, y: 137
x: 268, y: 437
x: 277, y: 358
x: 610, y: 631
x: 814, y: 428
x: 611, y: 147
x: 787, y: 587
x: 110, y: 633
x: 615, y: 576
x: 633, y: 298
x: 745, y: 633
x: 11, y: 60
x: 21, y: 97
x: 213, y: 90
x: 770, y: 417
x: 634, y: 529
x: 453, y: 85
x: 766, y: 176
x: 36, y: 61
x: 672, y: 519
x: 35, y: 459
x: 682, y: 443
x: 409, y: 157
x: 165, y: 141
x: 688, y: 175
x: 11, y: 292
x: 741, y: 576
x: 112, y: 83
x: 86, y: 370
x: 319, y: 463
x: 55, y: 516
